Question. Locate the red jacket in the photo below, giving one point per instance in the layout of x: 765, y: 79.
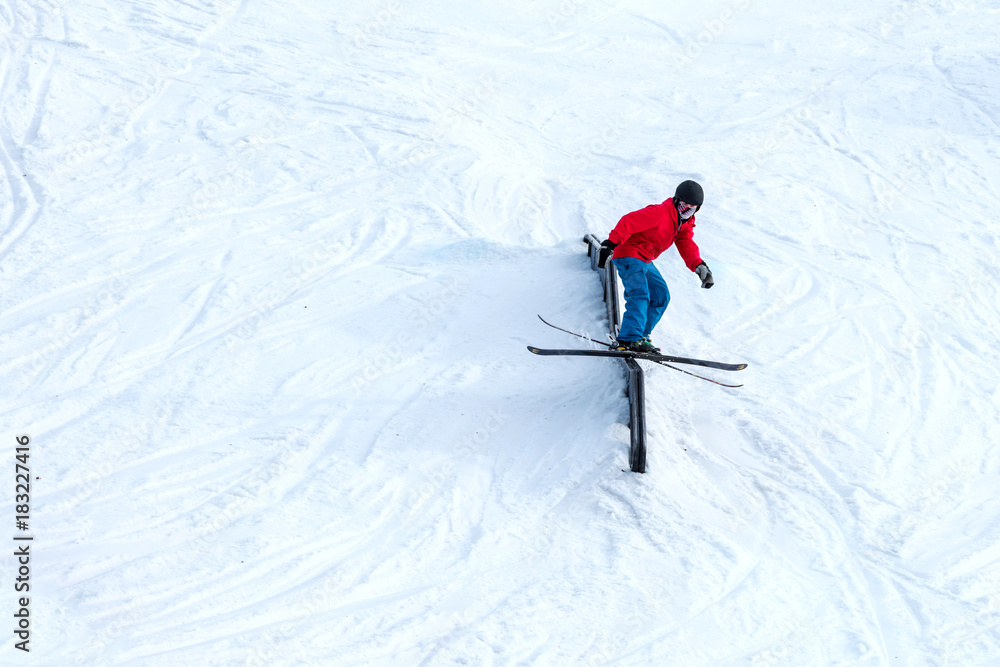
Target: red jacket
x: 646, y: 233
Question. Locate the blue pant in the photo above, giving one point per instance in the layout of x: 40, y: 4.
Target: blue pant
x: 646, y: 297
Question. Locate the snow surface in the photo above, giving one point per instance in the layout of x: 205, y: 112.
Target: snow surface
x: 269, y: 270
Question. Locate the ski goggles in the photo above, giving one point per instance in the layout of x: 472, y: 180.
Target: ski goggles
x: 686, y: 210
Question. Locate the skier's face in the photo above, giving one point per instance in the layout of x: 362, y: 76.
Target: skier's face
x: 685, y: 210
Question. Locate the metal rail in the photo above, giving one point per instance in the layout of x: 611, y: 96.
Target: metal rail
x: 636, y: 380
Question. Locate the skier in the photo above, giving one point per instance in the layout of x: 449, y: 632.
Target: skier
x: 638, y: 239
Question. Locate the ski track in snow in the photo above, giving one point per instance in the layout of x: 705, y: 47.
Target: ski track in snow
x: 270, y: 270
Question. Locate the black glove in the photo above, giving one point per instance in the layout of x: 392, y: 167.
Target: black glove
x: 705, y: 274
x: 607, y: 247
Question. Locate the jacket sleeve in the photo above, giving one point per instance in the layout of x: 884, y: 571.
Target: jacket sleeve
x: 687, y: 248
x: 634, y: 222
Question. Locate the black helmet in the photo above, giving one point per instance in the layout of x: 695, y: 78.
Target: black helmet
x: 689, y: 192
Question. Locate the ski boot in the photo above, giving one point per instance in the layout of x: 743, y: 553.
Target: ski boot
x: 642, y: 346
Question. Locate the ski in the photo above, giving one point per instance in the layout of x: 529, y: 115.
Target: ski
x: 676, y: 360
x: 663, y: 363
x: 659, y: 358
x: 573, y: 333
x: 700, y: 377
